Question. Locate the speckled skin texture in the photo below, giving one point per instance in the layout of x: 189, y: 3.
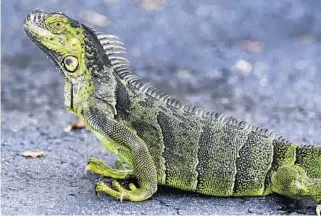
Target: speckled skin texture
x: 33, y: 89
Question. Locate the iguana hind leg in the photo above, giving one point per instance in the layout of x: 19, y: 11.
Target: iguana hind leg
x: 292, y: 181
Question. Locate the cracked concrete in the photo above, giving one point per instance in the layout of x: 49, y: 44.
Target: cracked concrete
x: 188, y: 49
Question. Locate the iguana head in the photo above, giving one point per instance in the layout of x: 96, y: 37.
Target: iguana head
x: 74, y: 47
x: 60, y: 37
x: 87, y: 59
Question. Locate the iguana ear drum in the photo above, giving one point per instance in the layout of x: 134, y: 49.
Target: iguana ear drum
x: 71, y: 63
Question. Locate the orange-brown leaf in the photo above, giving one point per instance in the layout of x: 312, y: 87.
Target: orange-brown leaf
x: 76, y: 125
x: 33, y: 154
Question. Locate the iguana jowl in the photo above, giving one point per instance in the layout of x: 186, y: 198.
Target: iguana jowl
x: 162, y: 140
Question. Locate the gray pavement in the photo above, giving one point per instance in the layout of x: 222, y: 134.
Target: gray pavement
x: 195, y: 50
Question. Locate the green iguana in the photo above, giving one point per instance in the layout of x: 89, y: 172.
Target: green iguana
x: 162, y: 140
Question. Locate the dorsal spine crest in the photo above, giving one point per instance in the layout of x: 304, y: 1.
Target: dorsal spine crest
x: 113, y: 48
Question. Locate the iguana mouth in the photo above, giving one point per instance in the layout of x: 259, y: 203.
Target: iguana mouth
x: 53, y: 55
x: 32, y: 25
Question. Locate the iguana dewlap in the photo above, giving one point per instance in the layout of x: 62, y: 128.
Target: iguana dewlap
x: 164, y: 141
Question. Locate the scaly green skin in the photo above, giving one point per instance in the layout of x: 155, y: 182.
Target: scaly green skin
x: 162, y: 140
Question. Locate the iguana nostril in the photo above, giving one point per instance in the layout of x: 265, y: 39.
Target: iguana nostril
x: 39, y: 17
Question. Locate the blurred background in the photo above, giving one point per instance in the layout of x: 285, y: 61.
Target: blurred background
x: 255, y: 60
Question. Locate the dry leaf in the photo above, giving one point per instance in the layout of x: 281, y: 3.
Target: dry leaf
x: 252, y: 46
x: 76, y: 125
x: 32, y: 154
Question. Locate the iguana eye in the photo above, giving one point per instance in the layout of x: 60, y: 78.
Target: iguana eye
x: 57, y: 27
x: 58, y: 24
x: 71, y: 63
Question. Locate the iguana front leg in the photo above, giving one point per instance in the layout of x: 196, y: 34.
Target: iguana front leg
x: 119, y: 165
x: 134, y: 149
x: 292, y: 181
x: 99, y: 167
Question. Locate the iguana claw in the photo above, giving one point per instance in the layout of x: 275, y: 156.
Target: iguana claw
x: 96, y: 191
x: 121, y: 196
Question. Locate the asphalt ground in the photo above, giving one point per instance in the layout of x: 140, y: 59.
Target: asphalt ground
x: 255, y: 60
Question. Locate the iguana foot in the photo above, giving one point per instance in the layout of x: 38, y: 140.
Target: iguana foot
x: 318, y: 210
x: 101, y: 187
x: 133, y: 194
x: 99, y: 167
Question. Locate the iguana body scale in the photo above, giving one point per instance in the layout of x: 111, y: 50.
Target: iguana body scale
x: 164, y: 141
